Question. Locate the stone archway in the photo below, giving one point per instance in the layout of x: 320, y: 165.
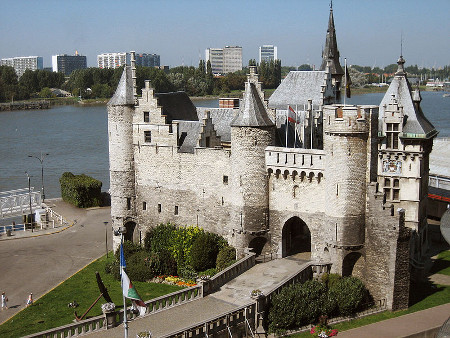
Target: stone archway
x: 129, y: 235
x: 296, y: 238
x: 353, y: 265
x: 257, y: 244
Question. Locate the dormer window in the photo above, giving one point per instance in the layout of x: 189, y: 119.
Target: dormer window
x: 146, y: 116
x: 392, y: 131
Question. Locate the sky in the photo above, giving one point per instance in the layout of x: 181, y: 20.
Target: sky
x: 369, y: 32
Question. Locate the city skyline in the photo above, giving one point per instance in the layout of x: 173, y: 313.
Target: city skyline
x: 368, y: 33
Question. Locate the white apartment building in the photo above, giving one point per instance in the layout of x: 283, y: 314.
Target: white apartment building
x: 267, y: 53
x: 22, y: 63
x: 111, y: 60
x: 224, y: 60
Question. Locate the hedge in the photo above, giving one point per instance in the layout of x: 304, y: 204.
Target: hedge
x: 81, y: 190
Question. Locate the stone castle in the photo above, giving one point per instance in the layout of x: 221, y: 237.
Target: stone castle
x: 299, y: 173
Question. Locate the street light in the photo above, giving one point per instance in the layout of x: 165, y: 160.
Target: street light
x: 106, y: 237
x: 29, y: 194
x: 41, y: 159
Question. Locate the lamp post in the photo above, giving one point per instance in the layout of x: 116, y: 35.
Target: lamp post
x: 106, y: 237
x: 41, y: 159
x: 29, y: 194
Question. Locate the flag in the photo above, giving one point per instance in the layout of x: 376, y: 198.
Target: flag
x: 348, y: 82
x: 130, y: 292
x: 123, y: 265
x: 292, y: 115
x: 128, y: 289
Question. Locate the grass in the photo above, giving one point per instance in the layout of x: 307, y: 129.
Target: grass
x: 442, y: 264
x: 51, y: 310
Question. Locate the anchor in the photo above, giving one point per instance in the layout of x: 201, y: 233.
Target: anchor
x: 103, y: 292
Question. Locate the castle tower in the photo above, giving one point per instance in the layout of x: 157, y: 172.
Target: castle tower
x: 406, y: 140
x: 349, y: 162
x: 121, y: 163
x: 251, y: 132
x: 330, y: 55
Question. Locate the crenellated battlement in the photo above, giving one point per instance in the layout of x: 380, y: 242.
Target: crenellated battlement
x: 340, y: 119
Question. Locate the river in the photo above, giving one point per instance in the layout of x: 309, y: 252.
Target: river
x: 75, y: 137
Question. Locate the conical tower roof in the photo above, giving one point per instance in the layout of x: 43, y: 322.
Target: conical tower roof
x: 331, y: 51
x: 124, y: 92
x: 416, y: 125
x: 253, y: 112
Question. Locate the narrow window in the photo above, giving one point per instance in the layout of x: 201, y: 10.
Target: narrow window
x: 392, y: 132
x: 207, y: 142
x: 176, y: 210
x: 146, y: 116
x: 128, y: 203
x: 144, y: 205
x: 225, y: 179
x: 159, y: 208
x: 147, y: 136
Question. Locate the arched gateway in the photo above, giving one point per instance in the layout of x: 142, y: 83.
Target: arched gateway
x: 129, y: 235
x: 296, y: 238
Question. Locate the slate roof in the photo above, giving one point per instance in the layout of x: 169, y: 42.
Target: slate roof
x: 297, y: 87
x: 177, y: 106
x: 417, y: 125
x: 252, y: 113
x: 221, y: 118
x: 189, y: 132
x: 124, y: 93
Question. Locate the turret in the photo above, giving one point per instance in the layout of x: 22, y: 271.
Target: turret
x: 121, y: 163
x: 251, y: 132
x: 351, y: 157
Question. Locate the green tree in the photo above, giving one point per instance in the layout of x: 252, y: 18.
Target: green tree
x: 305, y: 67
x: 46, y: 93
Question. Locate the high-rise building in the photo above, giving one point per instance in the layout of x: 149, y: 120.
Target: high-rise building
x: 22, y: 63
x: 66, y: 64
x: 111, y: 60
x: 145, y: 60
x: 116, y: 60
x: 268, y: 53
x: 224, y: 60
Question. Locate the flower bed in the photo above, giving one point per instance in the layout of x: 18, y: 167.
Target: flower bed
x: 173, y: 280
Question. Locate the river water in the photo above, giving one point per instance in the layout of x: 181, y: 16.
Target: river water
x: 76, y: 139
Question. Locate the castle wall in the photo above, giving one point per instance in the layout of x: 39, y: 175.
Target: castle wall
x: 387, y: 252
x: 196, y: 185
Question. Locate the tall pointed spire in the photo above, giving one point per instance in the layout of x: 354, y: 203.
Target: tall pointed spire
x: 331, y: 51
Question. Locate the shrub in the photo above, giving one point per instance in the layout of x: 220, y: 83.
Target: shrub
x: 329, y: 279
x: 113, y: 268
x: 298, y: 305
x: 225, y: 257
x: 187, y: 272
x: 204, y: 251
x: 349, y: 293
x: 167, y: 264
x: 80, y: 190
x: 139, y: 267
x: 129, y: 249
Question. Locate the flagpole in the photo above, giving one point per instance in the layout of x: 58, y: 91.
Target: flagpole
x: 295, y: 125
x: 287, y: 113
x: 310, y: 108
x: 125, y: 320
x: 345, y: 76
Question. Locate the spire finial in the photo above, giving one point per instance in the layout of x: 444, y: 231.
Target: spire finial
x: 331, y: 4
x: 401, y: 44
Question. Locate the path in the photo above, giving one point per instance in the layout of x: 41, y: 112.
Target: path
x: 38, y: 264
x: 231, y: 295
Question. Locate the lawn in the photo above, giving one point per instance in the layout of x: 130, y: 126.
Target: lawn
x: 51, y: 310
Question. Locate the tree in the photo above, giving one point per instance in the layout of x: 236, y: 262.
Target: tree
x: 305, y: 67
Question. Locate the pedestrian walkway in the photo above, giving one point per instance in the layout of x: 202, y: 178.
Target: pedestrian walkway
x: 404, y: 326
x: 230, y: 296
x: 70, y: 213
